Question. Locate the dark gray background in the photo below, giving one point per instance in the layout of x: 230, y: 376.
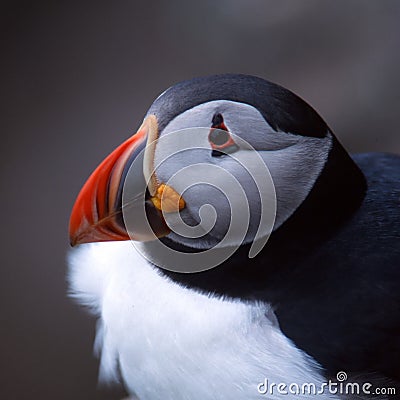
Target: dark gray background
x: 77, y: 78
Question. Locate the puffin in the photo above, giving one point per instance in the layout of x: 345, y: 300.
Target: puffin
x: 233, y: 249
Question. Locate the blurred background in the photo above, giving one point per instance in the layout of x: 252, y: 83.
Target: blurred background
x: 77, y: 79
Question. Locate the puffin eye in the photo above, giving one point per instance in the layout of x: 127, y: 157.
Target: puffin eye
x: 219, y: 137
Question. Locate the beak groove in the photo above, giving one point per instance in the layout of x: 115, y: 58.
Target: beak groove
x: 97, y: 213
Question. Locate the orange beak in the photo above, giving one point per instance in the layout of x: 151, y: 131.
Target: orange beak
x: 97, y: 215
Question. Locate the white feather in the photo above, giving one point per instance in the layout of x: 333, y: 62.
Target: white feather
x: 172, y: 342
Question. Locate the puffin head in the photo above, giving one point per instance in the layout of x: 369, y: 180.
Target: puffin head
x: 209, y: 150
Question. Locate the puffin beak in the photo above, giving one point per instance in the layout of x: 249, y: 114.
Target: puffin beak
x: 97, y: 215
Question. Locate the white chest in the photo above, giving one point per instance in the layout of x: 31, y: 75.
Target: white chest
x: 173, y: 343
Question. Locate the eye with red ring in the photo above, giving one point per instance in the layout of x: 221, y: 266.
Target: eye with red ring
x: 220, y: 139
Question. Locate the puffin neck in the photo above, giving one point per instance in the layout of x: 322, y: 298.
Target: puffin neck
x: 336, y: 195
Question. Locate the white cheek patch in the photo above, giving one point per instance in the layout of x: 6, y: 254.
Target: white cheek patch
x: 293, y: 161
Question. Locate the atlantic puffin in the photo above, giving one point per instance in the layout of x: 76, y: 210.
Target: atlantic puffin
x: 322, y: 294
